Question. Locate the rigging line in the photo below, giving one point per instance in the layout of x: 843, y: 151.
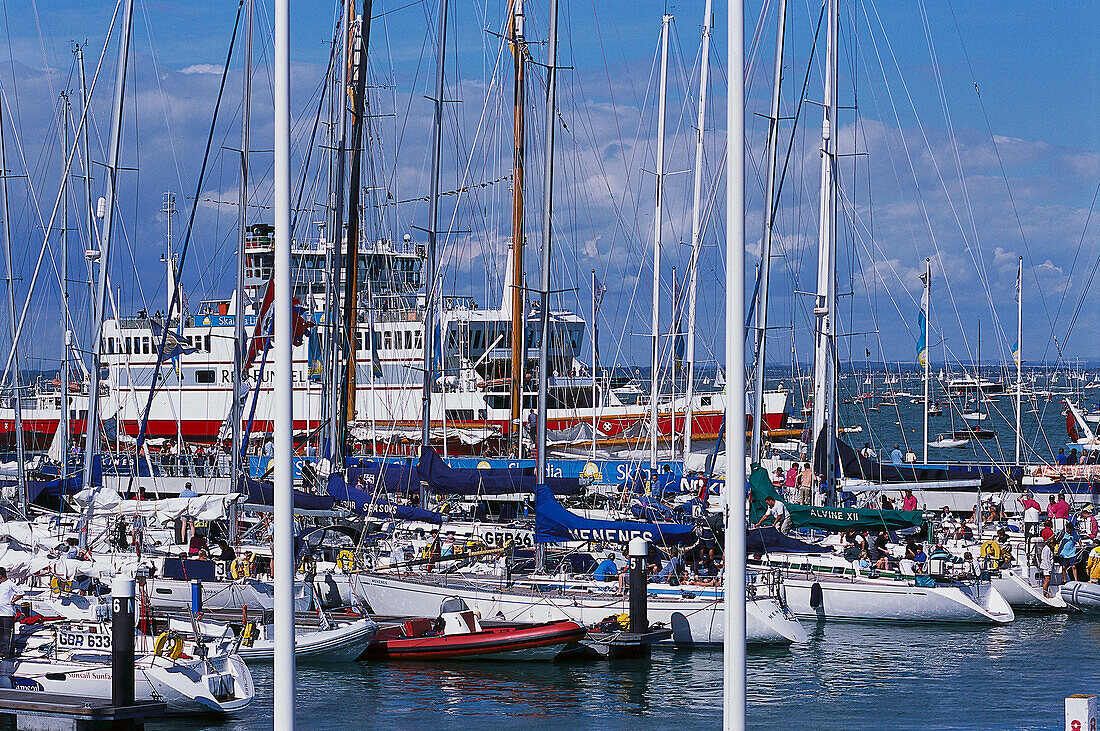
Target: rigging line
x: 176, y: 294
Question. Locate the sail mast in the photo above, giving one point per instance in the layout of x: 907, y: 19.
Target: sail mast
x: 825, y: 299
x: 351, y: 263
x: 242, y: 231
x: 927, y: 308
x: 433, y: 286
x: 519, y: 320
x: 16, y: 381
x: 547, y: 239
x: 655, y: 352
x: 1018, y: 355
x: 766, y: 249
x: 733, y: 657
x: 99, y: 302
x: 63, y: 422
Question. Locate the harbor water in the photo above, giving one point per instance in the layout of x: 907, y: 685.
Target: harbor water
x: 851, y: 676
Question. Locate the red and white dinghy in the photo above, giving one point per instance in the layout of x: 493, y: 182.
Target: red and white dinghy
x: 458, y: 635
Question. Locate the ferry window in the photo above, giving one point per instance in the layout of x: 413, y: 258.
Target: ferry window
x: 704, y: 401
x: 387, y: 339
x: 145, y: 346
x: 208, y: 346
x: 476, y: 342
x: 358, y: 340
x: 408, y: 339
x: 377, y: 340
x: 419, y: 339
x: 204, y: 376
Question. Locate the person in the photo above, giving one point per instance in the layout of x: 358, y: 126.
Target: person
x: 909, y: 500
x: 880, y: 550
x: 792, y: 479
x: 269, y: 447
x: 1067, y: 553
x: 777, y: 511
x: 886, y: 503
x: 225, y: 552
x: 1046, y: 564
x: 435, y: 549
x: 996, y: 554
x: 972, y: 565
x: 448, y: 548
x: 896, y: 457
x: 1059, y: 508
x: 1086, y: 523
x: 779, y: 478
x: 867, y: 452
x: 1093, y: 565
x: 187, y: 491
x: 806, y: 480
x: 1061, y: 458
x: 1032, y: 511
x: 920, y: 558
x: 607, y: 570
x: 671, y: 572
x: 910, y: 456
x: 1048, y: 530
x: 1072, y: 459
x: 9, y: 595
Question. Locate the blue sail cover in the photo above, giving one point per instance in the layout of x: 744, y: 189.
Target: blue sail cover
x: 263, y: 493
x: 380, y: 508
x: 554, y: 523
x: 446, y: 480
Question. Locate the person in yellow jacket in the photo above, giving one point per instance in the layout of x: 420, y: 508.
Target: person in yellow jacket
x: 1093, y: 565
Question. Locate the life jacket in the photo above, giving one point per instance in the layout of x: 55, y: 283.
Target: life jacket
x: 1093, y: 564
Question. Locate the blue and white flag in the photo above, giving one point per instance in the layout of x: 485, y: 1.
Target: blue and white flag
x: 598, y: 291
x: 922, y: 324
x: 173, y: 345
x: 1016, y: 352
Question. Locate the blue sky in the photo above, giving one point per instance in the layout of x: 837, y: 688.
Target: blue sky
x: 1013, y: 173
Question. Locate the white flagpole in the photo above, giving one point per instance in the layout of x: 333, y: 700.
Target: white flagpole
x: 734, y: 591
x: 283, y: 550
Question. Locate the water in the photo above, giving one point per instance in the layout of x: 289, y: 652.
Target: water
x: 851, y: 676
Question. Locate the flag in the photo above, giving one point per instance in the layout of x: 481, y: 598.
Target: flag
x: 922, y: 324
x: 261, y: 332
x: 598, y: 291
x: 1018, y: 283
x: 1071, y: 425
x: 1016, y: 352
x: 314, y: 357
x: 173, y: 344
x: 301, y: 326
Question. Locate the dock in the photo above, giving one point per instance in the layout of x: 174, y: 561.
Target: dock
x: 38, y: 711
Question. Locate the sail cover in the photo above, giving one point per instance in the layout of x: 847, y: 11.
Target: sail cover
x: 554, y: 523
x: 822, y: 518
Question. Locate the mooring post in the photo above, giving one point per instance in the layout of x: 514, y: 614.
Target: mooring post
x: 639, y: 552
x: 122, y: 641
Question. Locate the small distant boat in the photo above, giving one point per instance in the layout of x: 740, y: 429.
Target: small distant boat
x: 872, y: 408
x: 851, y: 429
x: 949, y: 442
x: 973, y: 433
x: 934, y: 410
x: 975, y: 416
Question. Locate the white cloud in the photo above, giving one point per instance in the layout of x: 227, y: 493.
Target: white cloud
x: 202, y: 68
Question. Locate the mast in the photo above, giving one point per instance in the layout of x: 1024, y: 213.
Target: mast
x: 63, y: 422
x: 766, y: 249
x: 825, y: 299
x: 733, y: 666
x: 351, y: 263
x: 696, y: 226
x: 655, y: 352
x: 242, y: 232
x: 340, y: 337
x: 170, y: 266
x: 547, y: 241
x: 8, y: 264
x: 99, y: 301
x: 431, y: 292
x: 85, y: 116
x: 1018, y: 355
x: 595, y: 357
x: 926, y: 302
x: 283, y: 548
x: 519, y: 320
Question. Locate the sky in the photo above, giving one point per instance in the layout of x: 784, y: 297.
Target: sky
x: 968, y: 136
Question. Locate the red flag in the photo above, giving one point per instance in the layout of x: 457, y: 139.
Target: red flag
x: 261, y: 333
x: 301, y: 324
x: 1071, y: 425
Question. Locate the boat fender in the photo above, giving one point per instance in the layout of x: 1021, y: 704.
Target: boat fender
x: 816, y: 596
x: 57, y: 585
x: 345, y: 561
x: 308, y: 565
x: 169, y: 644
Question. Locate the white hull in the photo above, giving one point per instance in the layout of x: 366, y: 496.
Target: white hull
x: 1024, y: 594
x: 894, y: 601
x: 343, y: 643
x: 172, y: 594
x: 694, y: 621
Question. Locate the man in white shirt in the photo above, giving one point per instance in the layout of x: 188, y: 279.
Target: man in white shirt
x: 9, y: 595
x: 779, y: 514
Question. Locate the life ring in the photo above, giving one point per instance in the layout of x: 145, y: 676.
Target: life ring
x: 240, y: 568
x: 345, y: 561
x: 169, y: 644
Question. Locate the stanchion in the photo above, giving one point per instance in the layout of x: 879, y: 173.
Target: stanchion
x: 639, y: 570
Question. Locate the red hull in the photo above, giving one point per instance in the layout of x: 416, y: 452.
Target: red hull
x: 390, y: 644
